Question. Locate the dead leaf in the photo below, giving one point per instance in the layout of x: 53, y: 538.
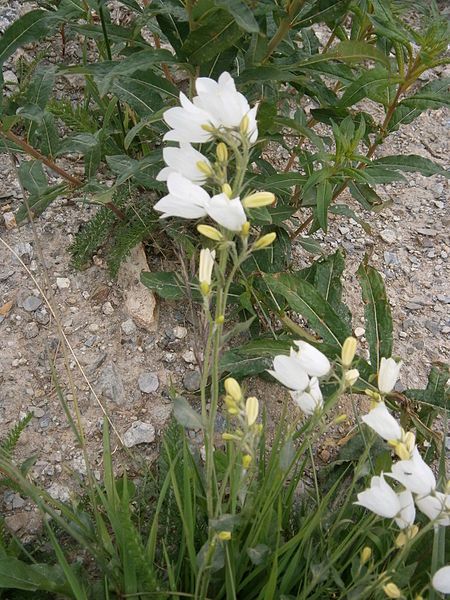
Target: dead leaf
x: 4, y: 310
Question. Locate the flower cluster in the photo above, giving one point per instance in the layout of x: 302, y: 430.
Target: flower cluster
x: 219, y: 112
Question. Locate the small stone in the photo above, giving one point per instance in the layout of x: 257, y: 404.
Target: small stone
x: 42, y: 316
x: 139, y: 433
x: 148, y: 382
x: 188, y: 356
x: 59, y: 492
x: 443, y: 298
x: 325, y: 455
x: 90, y: 341
x: 343, y: 230
x: 63, y: 283
x: 25, y: 251
x: 10, y: 220
x: 191, y: 380
x: 93, y: 327
x: 110, y: 384
x: 390, y: 258
x: 31, y: 303
x: 388, y: 235
x: 128, y: 327
x: 10, y: 79
x: 107, y: 308
x: 413, y: 306
x: 445, y: 329
x: 179, y: 332
x: 24, y: 521
x: 31, y: 331
x: 359, y: 331
x: 432, y: 327
x: 38, y: 413
x: 427, y: 231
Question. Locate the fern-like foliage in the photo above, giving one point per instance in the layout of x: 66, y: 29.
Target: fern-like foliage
x: 75, y: 117
x: 8, y: 445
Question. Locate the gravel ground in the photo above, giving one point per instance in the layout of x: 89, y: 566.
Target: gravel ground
x: 128, y: 368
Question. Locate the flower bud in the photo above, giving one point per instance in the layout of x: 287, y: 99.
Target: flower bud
x: 220, y: 319
x: 391, y: 590
x: 400, y: 449
x: 366, y: 553
x: 229, y: 437
x: 246, y: 461
x: 224, y: 535
x: 204, y: 168
x: 351, y: 377
x: 243, y: 127
x: 226, y: 189
x: 206, y: 265
x: 410, y: 441
x: 259, y: 199
x: 204, y: 288
x: 340, y: 419
x: 222, y: 152
x: 245, y: 229
x: 348, y: 351
x: 264, y: 241
x: 233, y: 389
x: 251, y: 410
x: 210, y: 232
x: 208, y: 128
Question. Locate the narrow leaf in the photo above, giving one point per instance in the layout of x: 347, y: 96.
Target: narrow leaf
x: 241, y: 12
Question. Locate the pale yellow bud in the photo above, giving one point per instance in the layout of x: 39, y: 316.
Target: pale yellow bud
x: 243, y: 127
x: 208, y: 128
x: 224, y: 535
x: 391, y: 590
x: 204, y: 288
x: 222, y: 152
x: 410, y: 441
x: 205, y: 269
x: 233, y: 388
x: 419, y: 597
x: 220, y: 319
x: 229, y: 437
x: 204, y: 168
x: 366, y: 553
x: 259, y: 199
x: 226, y: 189
x: 348, y: 351
x: 251, y: 410
x: 340, y: 419
x: 351, y: 377
x: 246, y: 461
x: 210, y: 232
x: 447, y: 487
x: 406, y: 535
x: 374, y: 396
x: 400, y: 449
x: 264, y: 241
x: 245, y: 229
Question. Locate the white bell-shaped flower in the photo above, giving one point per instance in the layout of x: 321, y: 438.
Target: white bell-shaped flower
x: 206, y: 265
x: 188, y: 123
x: 185, y: 199
x: 184, y: 160
x: 388, y: 374
x: 441, y: 580
x: 380, y: 498
x: 436, y: 507
x: 315, y: 363
x: 311, y: 399
x: 405, y: 518
x: 288, y: 371
x: 382, y: 422
x: 226, y: 212
x: 414, y: 474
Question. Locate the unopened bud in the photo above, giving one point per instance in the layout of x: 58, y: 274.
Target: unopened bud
x: 340, y: 419
x: 374, y: 396
x: 204, y: 288
x: 351, y: 377
x: 222, y: 152
x: 245, y: 229
x: 406, y: 535
x: 226, y: 189
x: 233, y: 388
x: 400, y: 449
x: 348, y: 351
x: 229, y: 437
x: 259, y: 199
x: 264, y: 241
x: 210, y: 232
x: 366, y: 553
x: 391, y: 590
x: 224, y: 535
x: 410, y: 441
x: 204, y: 168
x: 220, y: 319
x: 243, y: 127
x: 208, y: 128
x: 251, y: 410
x: 246, y: 461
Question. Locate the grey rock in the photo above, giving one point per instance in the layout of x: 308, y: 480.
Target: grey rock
x: 110, y: 385
x: 31, y: 303
x: 37, y: 411
x: 390, y: 258
x: 191, y: 380
x: 90, y: 341
x: 427, y: 231
x: 128, y: 327
x: 179, y: 332
x: 432, y: 327
x: 443, y: 298
x: 107, y: 308
x: 139, y: 433
x: 413, y: 306
x: 44, y: 422
x: 388, y: 235
x: 6, y: 273
x: 148, y: 382
x: 25, y: 251
x: 42, y: 316
x: 31, y: 331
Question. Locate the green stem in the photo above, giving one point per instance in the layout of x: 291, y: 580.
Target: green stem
x: 284, y: 27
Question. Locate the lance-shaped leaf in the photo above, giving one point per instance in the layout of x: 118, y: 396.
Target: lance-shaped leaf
x: 41, y: 85
x: 185, y: 414
x: 166, y: 284
x: 39, y: 201
x: 377, y: 312
x: 29, y: 28
x: 303, y: 298
x: 327, y: 281
x: 242, y: 14
x: 411, y: 162
x: 32, y: 176
x: 437, y: 392
x: 365, y: 84
x: 324, y: 196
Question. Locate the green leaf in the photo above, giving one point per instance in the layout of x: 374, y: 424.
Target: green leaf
x: 139, y: 92
x: 252, y: 358
x: 241, y: 12
x: 41, y: 85
x: 167, y: 285
x: 32, y: 176
x: 46, y: 136
x: 322, y: 11
x: 185, y: 414
x: 324, y: 196
x: 216, y: 33
x: 431, y: 96
x: 303, y: 298
x: 310, y: 245
x: 377, y: 312
x: 275, y: 257
x: 38, y: 202
x: 412, y: 162
x: 366, y: 196
x: 327, y: 281
x: 437, y: 392
x: 368, y: 81
x: 347, y: 52
x: 79, y: 143
x: 279, y: 182
x: 18, y: 575
x: 31, y: 27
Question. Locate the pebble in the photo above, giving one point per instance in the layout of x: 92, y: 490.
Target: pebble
x: 139, y: 433
x: 388, y: 235
x: 343, y: 230
x: 128, y: 327
x: 63, y: 283
x: 148, y: 382
x: 107, y: 308
x: 93, y: 327
x: 443, y: 298
x: 413, y: 306
x: 359, y: 331
x: 110, y: 384
x: 24, y: 521
x: 390, y: 258
x: 428, y: 232
x: 191, y: 381
x: 25, y: 251
x: 188, y: 356
x: 37, y: 412
x: 42, y: 316
x: 179, y: 332
x: 31, y: 331
x: 90, y: 341
x: 31, y: 303
x: 10, y: 220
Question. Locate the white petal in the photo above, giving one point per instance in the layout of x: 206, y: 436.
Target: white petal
x: 414, y: 474
x: 441, y: 580
x: 436, y: 507
x: 382, y: 422
x: 312, y: 360
x: 164, y: 174
x: 380, y: 498
x: 407, y: 510
x: 288, y: 372
x: 388, y: 374
x: 228, y: 213
x: 306, y: 402
x: 173, y: 206
x: 184, y: 161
